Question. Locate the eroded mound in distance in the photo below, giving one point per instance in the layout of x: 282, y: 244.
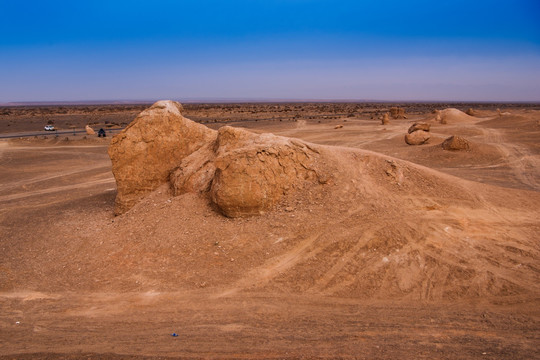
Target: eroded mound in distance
x: 452, y: 116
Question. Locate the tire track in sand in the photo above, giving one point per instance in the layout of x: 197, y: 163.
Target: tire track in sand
x: 304, y: 250
x: 524, y: 164
x: 276, y: 265
x: 51, y: 190
x: 342, y: 261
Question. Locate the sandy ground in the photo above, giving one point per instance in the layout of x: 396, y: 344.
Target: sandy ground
x: 325, y: 280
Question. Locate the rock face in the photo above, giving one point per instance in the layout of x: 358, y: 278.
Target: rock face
x: 418, y: 137
x: 385, y: 119
x: 89, y: 130
x: 240, y: 172
x: 456, y: 143
x: 244, y: 173
x: 419, y: 126
x: 146, y: 151
x: 258, y: 170
x: 418, y: 133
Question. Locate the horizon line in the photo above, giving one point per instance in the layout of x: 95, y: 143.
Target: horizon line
x: 254, y: 100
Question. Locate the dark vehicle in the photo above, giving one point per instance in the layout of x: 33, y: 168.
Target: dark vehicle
x: 101, y: 133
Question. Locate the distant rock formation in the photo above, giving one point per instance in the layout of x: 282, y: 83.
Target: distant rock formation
x: 456, y: 143
x: 470, y: 112
x: 242, y: 173
x: 385, y: 119
x: 397, y: 113
x: 89, y: 130
x: 452, y: 116
x: 419, y: 126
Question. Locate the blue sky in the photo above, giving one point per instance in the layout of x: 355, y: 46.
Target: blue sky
x: 255, y: 49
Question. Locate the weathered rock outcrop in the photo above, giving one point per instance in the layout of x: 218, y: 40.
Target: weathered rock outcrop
x: 418, y: 137
x: 419, y: 126
x: 385, y: 119
x: 456, y: 143
x: 242, y: 173
x: 397, y: 113
x: 418, y: 133
x: 145, y: 152
x: 245, y: 173
x: 259, y: 169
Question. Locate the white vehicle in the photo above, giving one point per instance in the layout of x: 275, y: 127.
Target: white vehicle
x: 49, y: 128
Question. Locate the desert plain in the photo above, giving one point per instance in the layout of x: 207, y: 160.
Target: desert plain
x: 406, y: 251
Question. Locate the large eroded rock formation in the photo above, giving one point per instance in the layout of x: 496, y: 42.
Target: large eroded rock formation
x: 242, y: 173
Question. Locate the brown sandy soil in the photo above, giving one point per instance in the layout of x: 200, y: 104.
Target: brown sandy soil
x: 392, y: 260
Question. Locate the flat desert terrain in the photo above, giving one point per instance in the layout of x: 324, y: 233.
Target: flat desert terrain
x: 412, y: 251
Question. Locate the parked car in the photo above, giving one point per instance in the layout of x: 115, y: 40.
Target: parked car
x: 49, y: 128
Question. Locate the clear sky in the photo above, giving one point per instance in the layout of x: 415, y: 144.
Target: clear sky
x: 475, y: 50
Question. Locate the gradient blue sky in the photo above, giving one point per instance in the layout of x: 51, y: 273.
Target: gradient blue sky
x: 255, y: 49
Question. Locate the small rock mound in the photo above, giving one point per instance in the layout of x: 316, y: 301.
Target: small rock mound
x: 417, y: 137
x: 452, y: 116
x: 418, y: 133
x: 456, y: 143
x: 385, y: 119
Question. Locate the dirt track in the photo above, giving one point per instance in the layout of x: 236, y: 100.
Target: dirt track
x: 78, y: 283
x: 262, y: 326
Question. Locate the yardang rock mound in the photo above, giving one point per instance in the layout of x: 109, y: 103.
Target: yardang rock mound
x: 456, y: 143
x: 242, y: 173
x: 453, y: 116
